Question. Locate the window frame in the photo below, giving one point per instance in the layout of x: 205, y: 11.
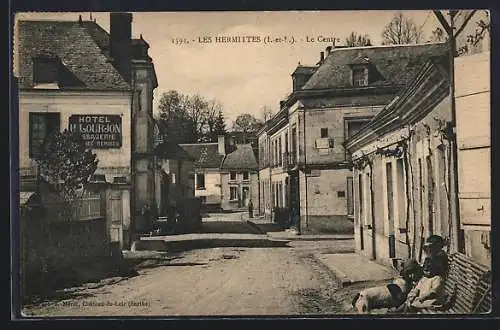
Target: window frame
x: 232, y: 175
x: 357, y: 81
x: 323, y: 132
x: 198, y: 186
x: 56, y: 116
x: 247, y: 175
x: 231, y: 189
x: 39, y: 71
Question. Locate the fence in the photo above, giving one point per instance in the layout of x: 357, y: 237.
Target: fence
x: 84, y: 208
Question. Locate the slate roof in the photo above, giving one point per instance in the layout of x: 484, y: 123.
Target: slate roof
x: 241, y: 158
x: 303, y: 69
x: 80, y: 47
x: 206, y: 155
x: 392, y: 111
x: 169, y: 150
x: 394, y: 65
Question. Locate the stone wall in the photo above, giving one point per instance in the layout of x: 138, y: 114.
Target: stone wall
x: 49, y: 248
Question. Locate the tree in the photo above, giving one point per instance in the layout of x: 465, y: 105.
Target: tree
x: 246, y: 124
x: 174, y: 122
x: 357, y: 40
x: 197, y: 111
x: 66, y: 164
x: 401, y: 30
x: 214, y: 124
x: 188, y: 119
x: 219, y: 126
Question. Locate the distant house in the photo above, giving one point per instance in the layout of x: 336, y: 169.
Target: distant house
x: 207, y: 179
x: 303, y: 165
x: 239, y: 178
x: 174, y: 176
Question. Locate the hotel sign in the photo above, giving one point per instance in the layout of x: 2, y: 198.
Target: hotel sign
x: 98, y: 131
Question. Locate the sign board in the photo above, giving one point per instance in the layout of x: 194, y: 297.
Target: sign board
x: 98, y: 131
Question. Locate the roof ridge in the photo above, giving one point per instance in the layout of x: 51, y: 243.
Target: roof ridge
x: 388, y: 46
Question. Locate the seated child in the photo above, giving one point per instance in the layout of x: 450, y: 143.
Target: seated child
x: 433, y: 249
x: 429, y: 291
x: 390, y: 295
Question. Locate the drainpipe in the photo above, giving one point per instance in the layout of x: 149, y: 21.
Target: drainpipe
x: 457, y: 241
x: 305, y: 175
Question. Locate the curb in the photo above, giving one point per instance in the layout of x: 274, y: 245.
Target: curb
x: 255, y: 227
x: 311, y: 239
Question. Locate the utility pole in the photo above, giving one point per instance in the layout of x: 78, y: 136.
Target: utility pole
x: 452, y: 35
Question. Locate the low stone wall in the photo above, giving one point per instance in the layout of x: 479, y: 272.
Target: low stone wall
x: 49, y: 247
x: 329, y: 224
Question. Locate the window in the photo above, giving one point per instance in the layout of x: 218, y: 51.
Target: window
x: 45, y: 70
x: 280, y: 155
x: 389, y: 197
x: 232, y: 175
x: 286, y: 143
x: 401, y: 193
x: 350, y: 195
x: 245, y: 175
x: 294, y: 140
x: 200, y: 181
x: 233, y: 193
x: 341, y: 194
x: 41, y: 126
x: 359, y: 77
x: 324, y: 133
x: 353, y: 126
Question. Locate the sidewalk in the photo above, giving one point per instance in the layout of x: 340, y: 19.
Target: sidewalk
x: 350, y: 268
x: 272, y: 230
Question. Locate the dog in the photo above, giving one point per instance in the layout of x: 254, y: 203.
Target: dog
x: 389, y: 295
x: 385, y: 296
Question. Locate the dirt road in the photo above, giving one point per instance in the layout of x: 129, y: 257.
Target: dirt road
x: 216, y: 281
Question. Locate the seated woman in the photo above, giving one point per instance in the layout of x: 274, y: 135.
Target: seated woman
x: 429, y: 291
x: 390, y: 295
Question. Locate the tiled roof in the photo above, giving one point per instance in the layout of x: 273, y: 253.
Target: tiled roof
x: 80, y: 47
x: 241, y: 158
x: 206, y: 155
x: 394, y: 65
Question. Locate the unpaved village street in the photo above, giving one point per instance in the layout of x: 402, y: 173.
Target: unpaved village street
x: 212, y: 281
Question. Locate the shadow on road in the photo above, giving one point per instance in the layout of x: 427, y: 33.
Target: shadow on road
x: 187, y: 245
x: 225, y: 227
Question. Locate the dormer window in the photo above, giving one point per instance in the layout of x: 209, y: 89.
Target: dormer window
x: 360, y: 70
x: 46, y: 71
x: 360, y: 76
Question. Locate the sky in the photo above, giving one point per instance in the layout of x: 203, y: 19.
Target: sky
x: 243, y: 76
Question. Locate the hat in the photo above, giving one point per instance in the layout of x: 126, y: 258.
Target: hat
x: 434, y: 240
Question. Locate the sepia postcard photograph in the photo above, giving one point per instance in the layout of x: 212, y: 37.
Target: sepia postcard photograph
x: 252, y: 163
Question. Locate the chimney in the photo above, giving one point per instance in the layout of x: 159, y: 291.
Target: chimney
x: 328, y: 50
x: 321, y: 57
x: 282, y: 103
x: 121, y: 43
x: 222, y: 145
